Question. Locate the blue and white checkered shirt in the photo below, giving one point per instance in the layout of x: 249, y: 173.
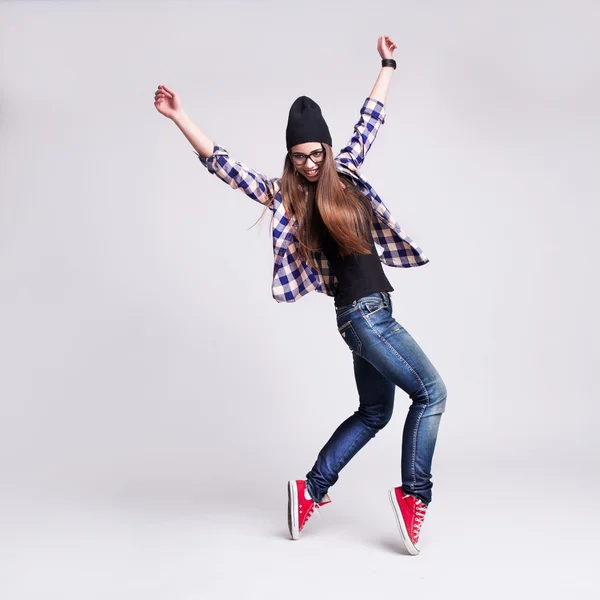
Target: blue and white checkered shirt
x: 293, y: 277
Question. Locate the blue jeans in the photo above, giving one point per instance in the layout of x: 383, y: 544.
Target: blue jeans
x: 385, y: 356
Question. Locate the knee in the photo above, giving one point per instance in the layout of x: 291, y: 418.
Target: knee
x: 437, y: 397
x: 376, y: 417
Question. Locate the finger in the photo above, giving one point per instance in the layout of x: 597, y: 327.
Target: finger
x: 169, y: 90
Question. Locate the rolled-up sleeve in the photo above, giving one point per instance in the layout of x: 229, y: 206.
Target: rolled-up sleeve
x: 239, y: 175
x: 372, y: 116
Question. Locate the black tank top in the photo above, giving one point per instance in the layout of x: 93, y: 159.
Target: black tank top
x: 357, y: 276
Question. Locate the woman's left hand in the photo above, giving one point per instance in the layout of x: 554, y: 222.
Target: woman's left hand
x: 386, y: 46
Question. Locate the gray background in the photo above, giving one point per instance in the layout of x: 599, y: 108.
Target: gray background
x: 155, y: 399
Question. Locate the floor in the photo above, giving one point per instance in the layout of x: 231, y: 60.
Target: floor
x: 134, y: 541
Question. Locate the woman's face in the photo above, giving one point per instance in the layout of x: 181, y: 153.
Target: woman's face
x: 311, y: 154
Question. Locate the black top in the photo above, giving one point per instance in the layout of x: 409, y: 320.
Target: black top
x: 357, y: 276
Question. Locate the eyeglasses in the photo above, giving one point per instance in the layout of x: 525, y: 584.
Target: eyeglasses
x: 316, y: 156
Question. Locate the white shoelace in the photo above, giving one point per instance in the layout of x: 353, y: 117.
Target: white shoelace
x: 314, y: 508
x: 420, y: 510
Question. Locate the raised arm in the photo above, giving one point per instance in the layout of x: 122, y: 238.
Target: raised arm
x: 372, y: 116
x: 385, y: 47
x: 240, y: 176
x: 372, y: 113
x: 214, y: 157
x: 202, y: 144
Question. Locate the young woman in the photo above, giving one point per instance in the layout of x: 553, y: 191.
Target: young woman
x: 326, y: 218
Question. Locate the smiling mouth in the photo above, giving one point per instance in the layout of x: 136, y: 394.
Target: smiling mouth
x: 312, y: 172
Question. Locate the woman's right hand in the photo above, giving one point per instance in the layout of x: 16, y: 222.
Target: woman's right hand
x: 167, y: 102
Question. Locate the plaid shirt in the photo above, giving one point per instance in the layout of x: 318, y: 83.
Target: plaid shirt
x: 293, y: 277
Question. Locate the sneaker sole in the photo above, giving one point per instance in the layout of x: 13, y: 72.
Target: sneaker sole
x: 412, y: 549
x: 293, y: 510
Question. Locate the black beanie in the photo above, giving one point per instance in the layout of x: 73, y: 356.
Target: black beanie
x: 306, y: 123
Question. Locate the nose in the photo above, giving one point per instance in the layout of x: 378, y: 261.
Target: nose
x: 312, y: 161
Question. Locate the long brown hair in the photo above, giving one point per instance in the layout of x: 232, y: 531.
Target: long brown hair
x: 346, y: 212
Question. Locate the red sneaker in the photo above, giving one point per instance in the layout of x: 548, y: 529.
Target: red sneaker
x: 301, y: 506
x: 410, y: 512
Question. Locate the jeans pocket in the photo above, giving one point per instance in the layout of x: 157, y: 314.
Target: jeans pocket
x: 370, y: 305
x: 350, y: 336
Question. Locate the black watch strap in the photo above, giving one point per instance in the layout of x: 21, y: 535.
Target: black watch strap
x: 388, y: 62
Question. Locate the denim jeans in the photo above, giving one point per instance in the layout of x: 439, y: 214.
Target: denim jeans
x: 385, y: 356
